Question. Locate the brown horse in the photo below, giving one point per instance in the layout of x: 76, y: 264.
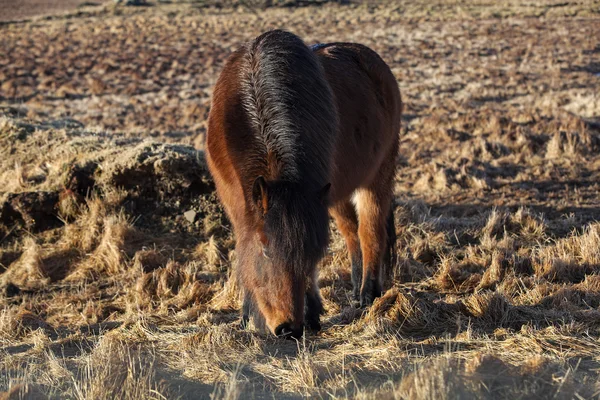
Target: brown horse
x: 295, y: 132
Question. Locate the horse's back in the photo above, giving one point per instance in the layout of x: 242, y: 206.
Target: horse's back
x: 369, y: 108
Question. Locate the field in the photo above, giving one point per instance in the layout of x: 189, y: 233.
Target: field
x: 115, y: 254
x: 23, y: 9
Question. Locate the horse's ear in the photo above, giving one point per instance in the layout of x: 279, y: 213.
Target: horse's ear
x: 259, y: 195
x: 323, y: 193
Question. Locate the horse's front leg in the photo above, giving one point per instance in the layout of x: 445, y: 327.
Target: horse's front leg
x: 313, y: 306
x: 246, y: 310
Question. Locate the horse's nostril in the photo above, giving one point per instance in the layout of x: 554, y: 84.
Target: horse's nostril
x: 285, y: 330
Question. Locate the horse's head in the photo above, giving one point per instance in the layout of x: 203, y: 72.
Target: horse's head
x: 290, y: 238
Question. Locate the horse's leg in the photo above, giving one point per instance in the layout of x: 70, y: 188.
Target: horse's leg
x: 243, y: 272
x: 347, y: 222
x: 313, y: 306
x: 373, y: 206
x: 246, y: 309
x: 390, y: 251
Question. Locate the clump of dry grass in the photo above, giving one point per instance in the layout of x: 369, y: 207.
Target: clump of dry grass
x: 117, y: 370
x: 441, y: 379
x: 495, y: 273
x: 38, y: 266
x: 149, y: 260
x: 173, y: 285
x: 523, y: 226
x: 15, y: 323
x: 492, y: 308
x: 215, y: 352
x: 28, y: 269
x: 111, y: 254
x: 487, y: 376
x: 409, y: 315
x: 571, y: 139
x: 572, y: 258
x: 420, y: 245
x: 84, y: 233
x: 459, y: 276
x: 229, y: 295
x: 230, y: 390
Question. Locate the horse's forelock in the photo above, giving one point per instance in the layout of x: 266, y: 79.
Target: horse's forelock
x: 297, y: 228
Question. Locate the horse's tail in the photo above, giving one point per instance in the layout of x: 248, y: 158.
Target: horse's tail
x: 391, y: 244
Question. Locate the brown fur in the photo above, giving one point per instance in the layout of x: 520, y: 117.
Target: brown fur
x: 276, y: 140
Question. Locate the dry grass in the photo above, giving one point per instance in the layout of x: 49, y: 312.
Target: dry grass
x: 112, y: 289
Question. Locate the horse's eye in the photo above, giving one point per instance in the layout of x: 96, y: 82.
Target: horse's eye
x: 265, y: 253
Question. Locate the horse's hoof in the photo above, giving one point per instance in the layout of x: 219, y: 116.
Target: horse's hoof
x: 313, y: 326
x: 370, y: 291
x: 356, y: 297
x: 366, y: 301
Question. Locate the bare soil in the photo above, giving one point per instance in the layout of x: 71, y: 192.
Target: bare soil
x: 25, y: 9
x: 115, y: 254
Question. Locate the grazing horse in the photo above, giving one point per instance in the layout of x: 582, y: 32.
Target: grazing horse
x: 295, y: 134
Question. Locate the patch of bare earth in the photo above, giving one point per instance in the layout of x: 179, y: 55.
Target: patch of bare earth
x: 115, y: 254
x: 23, y: 9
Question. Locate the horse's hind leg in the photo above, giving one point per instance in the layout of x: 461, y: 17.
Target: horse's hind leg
x: 390, y: 250
x: 347, y: 223
x: 373, y: 206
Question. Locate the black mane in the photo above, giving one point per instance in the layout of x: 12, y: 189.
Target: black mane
x: 296, y: 225
x: 291, y: 108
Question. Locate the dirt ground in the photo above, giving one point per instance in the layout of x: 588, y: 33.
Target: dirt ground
x: 13, y: 10
x: 115, y: 254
